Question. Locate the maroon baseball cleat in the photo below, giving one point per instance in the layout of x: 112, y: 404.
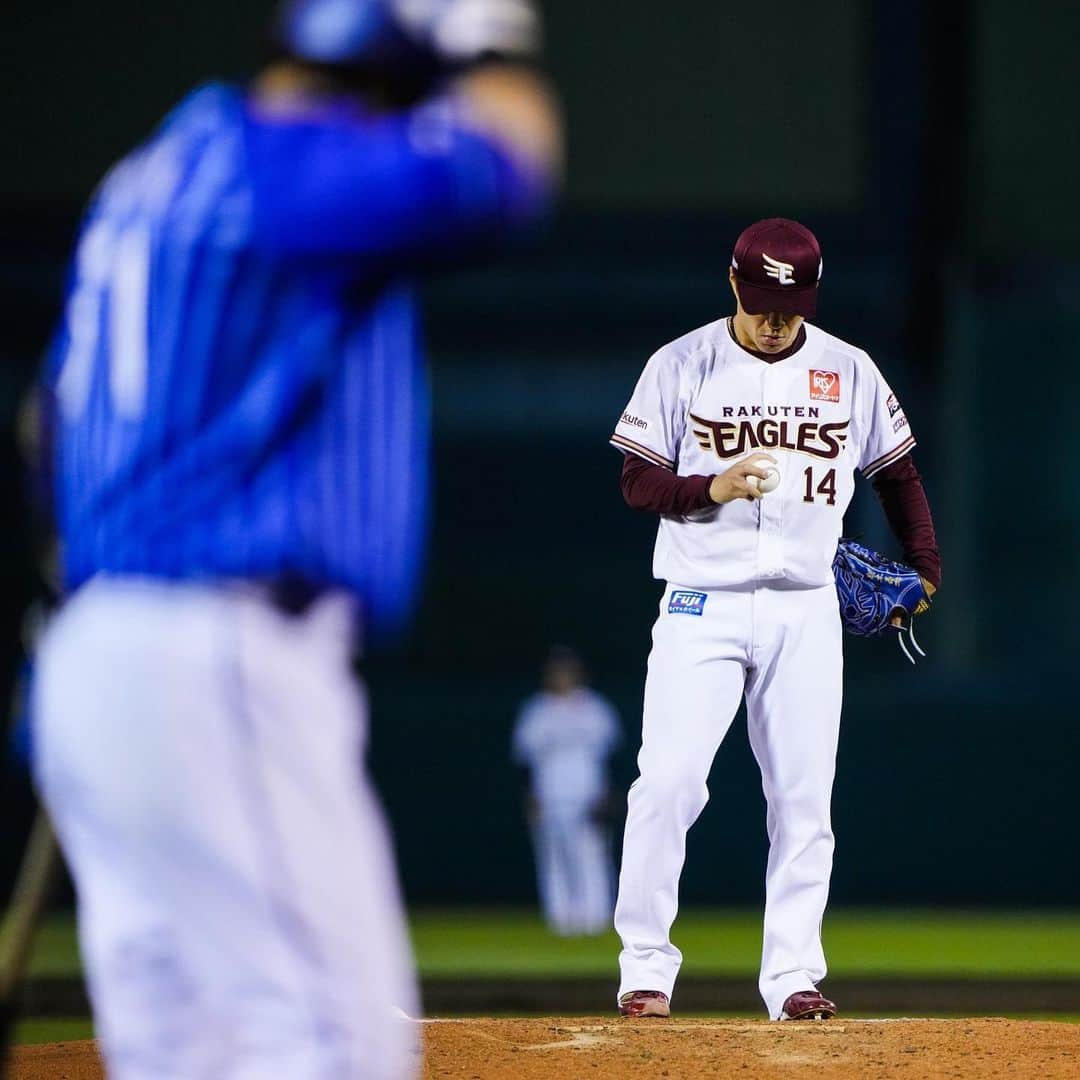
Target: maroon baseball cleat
x: 807, y: 1005
x: 644, y: 1003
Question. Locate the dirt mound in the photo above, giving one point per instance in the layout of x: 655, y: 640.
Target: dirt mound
x: 837, y: 1049
x: 607, y: 1049
x: 56, y: 1061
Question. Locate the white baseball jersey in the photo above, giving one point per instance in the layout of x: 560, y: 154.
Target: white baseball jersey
x: 703, y: 402
x: 565, y: 739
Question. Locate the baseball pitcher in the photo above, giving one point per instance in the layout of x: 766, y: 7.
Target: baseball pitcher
x: 241, y: 453
x: 744, y: 436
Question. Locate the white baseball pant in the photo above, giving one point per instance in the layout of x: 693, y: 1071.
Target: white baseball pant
x: 781, y: 647
x: 201, y: 754
x: 574, y: 868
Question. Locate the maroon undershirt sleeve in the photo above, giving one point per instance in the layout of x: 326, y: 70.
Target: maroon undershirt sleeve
x: 900, y: 489
x: 646, y: 486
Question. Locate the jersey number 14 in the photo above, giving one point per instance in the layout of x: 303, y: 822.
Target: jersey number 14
x: 827, y: 487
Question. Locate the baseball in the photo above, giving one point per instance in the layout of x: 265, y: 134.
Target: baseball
x: 767, y: 483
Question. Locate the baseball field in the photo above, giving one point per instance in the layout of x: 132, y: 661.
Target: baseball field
x: 923, y: 994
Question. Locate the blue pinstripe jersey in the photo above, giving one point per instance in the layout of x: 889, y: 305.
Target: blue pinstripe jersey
x: 239, y: 382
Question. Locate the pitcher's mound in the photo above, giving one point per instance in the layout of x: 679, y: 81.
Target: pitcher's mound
x: 608, y: 1049
x: 56, y: 1061
x: 612, y: 1049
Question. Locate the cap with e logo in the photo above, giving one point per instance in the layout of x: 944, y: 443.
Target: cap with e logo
x: 777, y: 267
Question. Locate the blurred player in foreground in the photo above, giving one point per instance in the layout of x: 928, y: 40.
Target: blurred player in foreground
x: 744, y: 435
x: 241, y: 458
x: 564, y: 735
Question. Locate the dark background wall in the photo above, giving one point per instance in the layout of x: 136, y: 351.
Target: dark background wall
x: 662, y: 102
x: 932, y: 153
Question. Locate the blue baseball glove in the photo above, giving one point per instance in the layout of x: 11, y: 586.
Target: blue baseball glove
x: 873, y: 589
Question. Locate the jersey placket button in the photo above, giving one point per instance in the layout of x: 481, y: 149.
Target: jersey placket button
x: 770, y: 534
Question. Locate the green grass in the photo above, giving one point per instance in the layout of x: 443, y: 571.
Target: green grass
x: 722, y: 942
x: 56, y: 951
x: 478, y: 942
x: 53, y: 1030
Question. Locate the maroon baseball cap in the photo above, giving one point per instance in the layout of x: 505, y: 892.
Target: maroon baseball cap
x: 777, y: 266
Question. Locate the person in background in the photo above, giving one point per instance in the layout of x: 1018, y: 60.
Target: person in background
x: 564, y: 736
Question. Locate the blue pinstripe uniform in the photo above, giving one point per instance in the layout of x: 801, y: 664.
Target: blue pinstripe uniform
x: 239, y: 394
x: 239, y: 377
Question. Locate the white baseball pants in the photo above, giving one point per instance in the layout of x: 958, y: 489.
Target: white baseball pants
x: 201, y: 754
x: 781, y: 647
x: 574, y: 869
